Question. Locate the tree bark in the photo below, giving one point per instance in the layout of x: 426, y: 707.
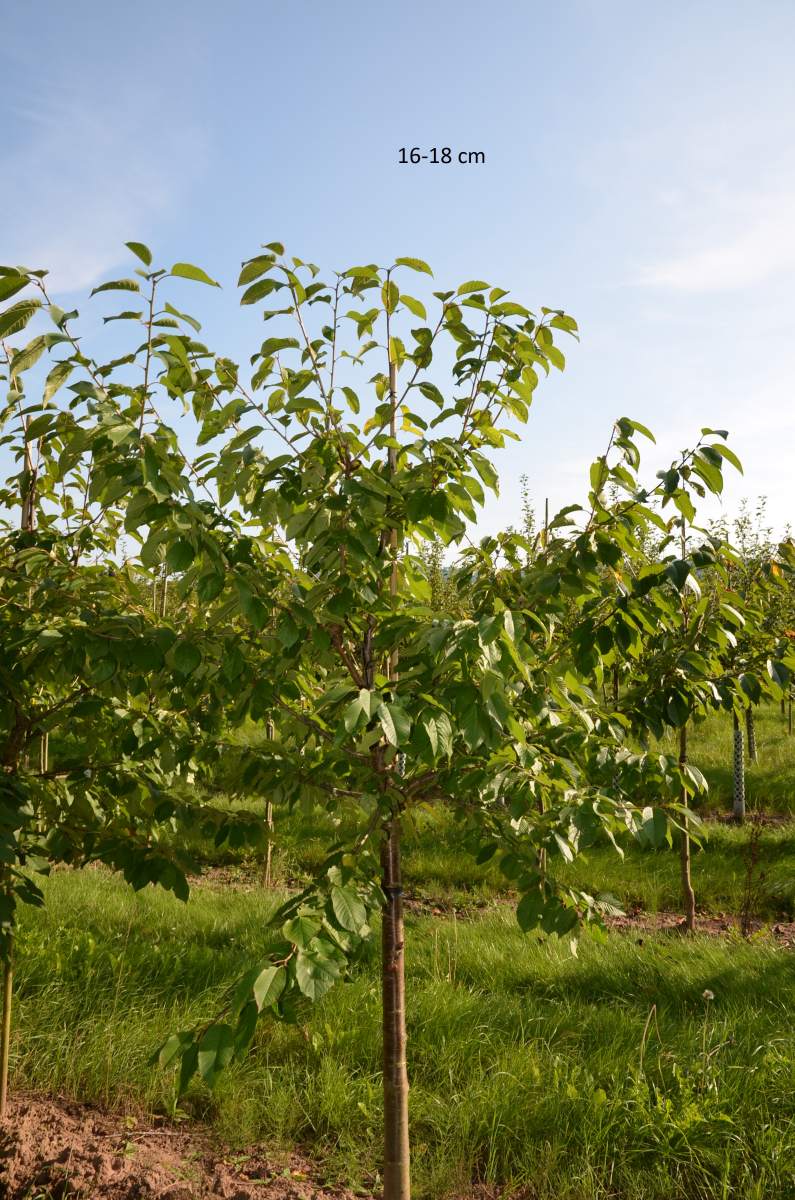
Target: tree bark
x: 688, y: 894
x: 750, y: 729
x: 267, y: 873
x: 738, y: 806
x: 5, y: 1033
x: 397, y: 1181
x: 397, y: 1160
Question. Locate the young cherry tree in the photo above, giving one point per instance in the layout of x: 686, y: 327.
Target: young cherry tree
x: 294, y: 510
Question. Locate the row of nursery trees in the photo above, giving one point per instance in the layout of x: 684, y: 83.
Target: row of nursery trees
x: 289, y: 505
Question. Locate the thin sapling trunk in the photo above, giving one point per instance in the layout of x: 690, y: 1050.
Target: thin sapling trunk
x: 750, y: 730
x: 688, y: 894
x: 5, y: 1034
x: 397, y: 1179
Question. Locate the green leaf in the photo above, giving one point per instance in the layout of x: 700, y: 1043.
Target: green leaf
x: 15, y: 318
x: 654, y: 828
x: 246, y: 1026
x: 258, y: 290
x: 778, y: 672
x: 301, y: 930
x: 472, y: 285
x: 173, y: 1048
x: 395, y: 723
x: 188, y: 271
x: 370, y: 272
x: 530, y: 910
x: 194, y: 324
x: 352, y: 398
x: 315, y: 974
x: 190, y: 1058
x: 11, y: 284
x: 750, y: 685
x: 414, y: 306
x: 390, y: 295
x: 428, y: 724
x: 444, y: 733
x: 215, y: 1050
x: 348, y: 909
x: 180, y: 555
x: 117, y: 285
x: 415, y: 264
x: 729, y: 455
x: 268, y: 986
x: 24, y: 359
x: 358, y: 708
x: 103, y: 669
x: 187, y: 657
x: 678, y: 709
x: 141, y: 251
x: 431, y: 392
x: 209, y: 586
x: 57, y: 376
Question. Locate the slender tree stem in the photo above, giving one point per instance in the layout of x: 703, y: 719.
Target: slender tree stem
x: 267, y: 877
x: 397, y: 1181
x: 750, y: 729
x: 687, y: 882
x: 5, y: 1032
x: 397, y: 1178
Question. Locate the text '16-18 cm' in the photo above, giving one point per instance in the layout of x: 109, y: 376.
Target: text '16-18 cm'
x: 440, y: 154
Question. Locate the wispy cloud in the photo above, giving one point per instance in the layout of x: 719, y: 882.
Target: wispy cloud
x: 760, y: 247
x: 84, y: 177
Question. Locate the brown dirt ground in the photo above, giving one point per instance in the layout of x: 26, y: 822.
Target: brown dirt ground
x: 51, y: 1149
x: 57, y: 1149
x: 246, y: 879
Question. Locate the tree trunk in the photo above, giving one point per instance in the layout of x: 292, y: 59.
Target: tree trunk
x: 5, y: 1032
x: 397, y: 1182
x: 397, y: 1161
x: 739, y: 771
x: 267, y: 873
x: 688, y: 894
x: 789, y: 717
x: 750, y: 729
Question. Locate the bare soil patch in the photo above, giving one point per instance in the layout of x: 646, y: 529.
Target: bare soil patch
x: 56, y: 1149
x: 716, y: 925
x: 637, y: 921
x: 53, y: 1149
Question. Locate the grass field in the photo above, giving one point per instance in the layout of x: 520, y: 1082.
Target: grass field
x: 639, y: 1070
x: 529, y: 1066
x: 438, y: 868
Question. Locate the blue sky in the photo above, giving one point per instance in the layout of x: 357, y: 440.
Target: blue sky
x: 640, y: 174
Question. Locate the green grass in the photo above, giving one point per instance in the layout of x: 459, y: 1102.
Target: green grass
x: 770, y: 783
x: 525, y: 1061
x: 603, y: 1077
x: 437, y: 866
